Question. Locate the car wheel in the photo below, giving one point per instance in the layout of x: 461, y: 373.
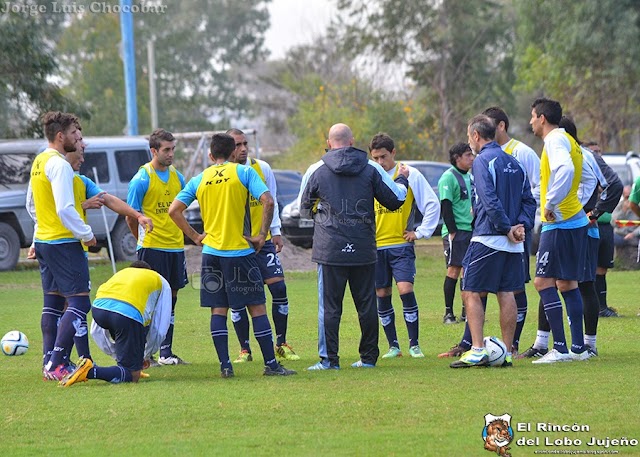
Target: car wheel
x: 9, y: 247
x: 124, y: 243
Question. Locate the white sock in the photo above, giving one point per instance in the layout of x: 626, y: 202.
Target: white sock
x: 542, y: 340
x: 590, y: 340
x: 475, y: 349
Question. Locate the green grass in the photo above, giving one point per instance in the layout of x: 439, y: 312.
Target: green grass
x: 402, y: 407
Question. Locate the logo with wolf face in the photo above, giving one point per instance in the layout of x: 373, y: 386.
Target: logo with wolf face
x: 497, y: 434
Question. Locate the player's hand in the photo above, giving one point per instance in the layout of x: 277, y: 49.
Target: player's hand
x: 146, y: 222
x: 628, y: 236
x: 549, y: 215
x: 516, y: 234
x: 277, y: 241
x: 146, y: 364
x: 31, y: 253
x: 95, y: 202
x: 403, y: 170
x: 409, y: 235
x: 198, y: 239
x: 91, y: 242
x: 257, y: 241
x: 452, y: 235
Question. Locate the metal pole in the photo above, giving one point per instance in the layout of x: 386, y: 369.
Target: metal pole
x: 151, y: 56
x: 106, y: 225
x: 129, y: 60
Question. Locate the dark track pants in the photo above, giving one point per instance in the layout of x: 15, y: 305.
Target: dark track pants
x: 332, y: 281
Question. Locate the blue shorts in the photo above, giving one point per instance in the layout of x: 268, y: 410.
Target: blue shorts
x: 128, y: 334
x: 269, y: 262
x: 488, y: 270
x: 590, y: 260
x: 172, y: 266
x: 64, y: 268
x: 230, y: 282
x: 395, y: 263
x: 561, y: 254
x: 454, y: 252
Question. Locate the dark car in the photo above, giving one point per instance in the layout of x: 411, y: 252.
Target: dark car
x: 300, y: 231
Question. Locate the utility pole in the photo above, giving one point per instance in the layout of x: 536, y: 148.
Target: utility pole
x: 129, y: 61
x: 151, y: 58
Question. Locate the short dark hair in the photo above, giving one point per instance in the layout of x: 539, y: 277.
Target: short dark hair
x: 498, y: 115
x: 222, y: 145
x: 382, y: 141
x: 140, y: 264
x: 569, y: 126
x: 551, y: 109
x: 484, y: 125
x: 55, y: 122
x: 588, y: 144
x: 234, y: 132
x: 458, y: 150
x: 158, y: 136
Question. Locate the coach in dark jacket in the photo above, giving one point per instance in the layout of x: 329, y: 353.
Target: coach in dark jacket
x: 338, y: 192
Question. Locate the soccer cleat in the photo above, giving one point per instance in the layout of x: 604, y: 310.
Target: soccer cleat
x: 584, y: 355
x: 608, y: 312
x: 280, y: 371
x: 449, y: 318
x: 79, y: 374
x: 172, y: 360
x: 554, y: 356
x: 361, y: 364
x: 144, y: 375
x: 227, y: 373
x: 532, y: 352
x: 323, y: 366
x: 472, y: 358
x: 393, y: 353
x: 245, y: 356
x: 285, y: 352
x: 508, y: 362
x: 56, y: 375
x: 592, y: 351
x: 455, y: 351
x: 416, y: 352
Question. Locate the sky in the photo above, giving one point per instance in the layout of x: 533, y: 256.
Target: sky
x: 295, y: 22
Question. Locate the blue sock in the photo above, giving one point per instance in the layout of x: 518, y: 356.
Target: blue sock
x: 262, y: 332
x: 166, y: 349
x: 388, y: 320
x: 51, y: 314
x: 77, y: 309
x: 553, y: 311
x: 410, y: 312
x: 240, y: 321
x: 279, y: 310
x: 220, y: 336
x: 573, y: 301
x: 465, y: 342
x: 115, y: 374
x: 521, y: 303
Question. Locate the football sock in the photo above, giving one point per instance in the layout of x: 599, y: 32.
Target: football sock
x: 543, y: 323
x: 51, y: 313
x: 553, y: 311
x: 77, y: 309
x: 449, y: 293
x: 591, y: 307
x: 115, y: 374
x: 240, y: 321
x: 388, y: 320
x: 166, y: 349
x: 264, y: 335
x: 573, y: 301
x: 521, y: 303
x: 220, y: 336
x: 542, y: 339
x: 279, y: 310
x: 601, y: 290
x: 590, y: 340
x: 465, y: 342
x: 81, y: 339
x: 410, y: 312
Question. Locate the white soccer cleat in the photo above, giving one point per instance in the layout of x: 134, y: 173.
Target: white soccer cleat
x: 554, y: 356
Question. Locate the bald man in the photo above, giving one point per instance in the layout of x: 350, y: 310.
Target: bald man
x: 338, y: 192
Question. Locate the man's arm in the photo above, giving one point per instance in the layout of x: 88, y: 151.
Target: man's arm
x: 180, y: 203
x: 428, y: 204
x: 135, y: 196
x: 486, y: 193
x: 272, y: 185
x: 259, y: 191
x: 391, y: 194
x: 558, y: 152
x: 115, y: 204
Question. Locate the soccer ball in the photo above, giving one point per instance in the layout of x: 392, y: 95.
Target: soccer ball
x: 14, y: 343
x: 497, y: 350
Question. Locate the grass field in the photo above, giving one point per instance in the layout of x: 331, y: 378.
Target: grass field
x: 402, y: 407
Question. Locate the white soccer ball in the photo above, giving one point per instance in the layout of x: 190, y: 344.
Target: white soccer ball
x: 497, y: 350
x: 14, y: 343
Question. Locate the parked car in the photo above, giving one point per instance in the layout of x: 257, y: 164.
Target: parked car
x: 116, y: 159
x: 300, y: 230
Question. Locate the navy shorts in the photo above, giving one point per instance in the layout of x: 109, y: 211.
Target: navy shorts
x: 454, y: 252
x: 606, y: 246
x: 395, y: 263
x: 269, y: 262
x: 230, y: 282
x: 591, y: 260
x: 489, y: 270
x: 561, y: 254
x: 172, y: 266
x: 64, y: 268
x: 128, y: 334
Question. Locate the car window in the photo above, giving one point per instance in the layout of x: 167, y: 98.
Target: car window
x: 129, y: 162
x: 15, y: 168
x: 99, y: 161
